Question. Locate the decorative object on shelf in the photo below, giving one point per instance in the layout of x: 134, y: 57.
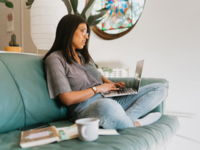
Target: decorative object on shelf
x: 107, y: 69
x: 116, y: 72
x: 104, y: 69
x: 121, y: 18
x: 14, y: 46
x: 46, y: 15
x: 10, y: 22
x: 7, y: 3
x: 113, y: 72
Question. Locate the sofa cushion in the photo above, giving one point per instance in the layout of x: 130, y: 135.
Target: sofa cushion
x: 11, y: 104
x: 24, y: 96
x: 151, y: 137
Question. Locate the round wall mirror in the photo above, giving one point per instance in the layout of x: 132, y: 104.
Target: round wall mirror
x: 121, y: 17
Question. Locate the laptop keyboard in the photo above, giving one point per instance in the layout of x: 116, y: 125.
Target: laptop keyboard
x: 125, y: 90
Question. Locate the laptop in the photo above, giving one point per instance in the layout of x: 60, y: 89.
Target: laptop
x: 136, y: 83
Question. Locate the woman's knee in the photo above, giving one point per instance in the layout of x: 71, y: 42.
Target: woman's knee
x: 107, y: 106
x: 162, y: 89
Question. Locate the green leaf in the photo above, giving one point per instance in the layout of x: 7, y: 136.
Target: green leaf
x: 28, y: 4
x: 95, y: 19
x: 94, y: 22
x: 77, y: 13
x: 103, y: 9
x: 68, y: 5
x: 87, y: 9
x: 31, y: 1
x: 74, y: 5
x: 9, y: 4
x: 96, y: 66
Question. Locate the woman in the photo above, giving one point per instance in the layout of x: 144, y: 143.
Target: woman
x: 73, y: 78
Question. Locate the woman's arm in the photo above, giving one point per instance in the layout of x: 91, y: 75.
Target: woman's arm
x: 75, y: 97
x: 105, y: 80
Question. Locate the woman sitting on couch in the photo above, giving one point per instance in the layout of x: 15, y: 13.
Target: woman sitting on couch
x: 73, y: 78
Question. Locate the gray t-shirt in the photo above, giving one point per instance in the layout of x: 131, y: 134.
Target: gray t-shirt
x: 63, y: 77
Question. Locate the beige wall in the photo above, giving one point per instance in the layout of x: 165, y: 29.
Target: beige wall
x: 5, y: 37
x: 27, y: 43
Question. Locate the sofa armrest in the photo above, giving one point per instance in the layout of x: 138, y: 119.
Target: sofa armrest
x: 145, y: 81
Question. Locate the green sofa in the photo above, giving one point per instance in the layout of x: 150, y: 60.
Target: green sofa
x: 24, y: 101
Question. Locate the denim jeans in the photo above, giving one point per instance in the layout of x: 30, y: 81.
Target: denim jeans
x: 120, y: 112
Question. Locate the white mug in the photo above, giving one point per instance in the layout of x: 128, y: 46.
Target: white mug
x: 88, y: 129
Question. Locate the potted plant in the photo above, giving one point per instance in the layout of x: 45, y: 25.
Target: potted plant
x: 14, y: 46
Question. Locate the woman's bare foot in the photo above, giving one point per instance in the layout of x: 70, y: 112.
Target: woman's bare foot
x: 137, y: 124
x: 148, y: 119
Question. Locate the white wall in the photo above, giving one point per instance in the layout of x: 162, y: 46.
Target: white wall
x: 167, y: 36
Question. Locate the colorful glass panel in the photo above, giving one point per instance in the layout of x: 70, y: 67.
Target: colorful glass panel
x: 137, y: 7
x: 118, y: 15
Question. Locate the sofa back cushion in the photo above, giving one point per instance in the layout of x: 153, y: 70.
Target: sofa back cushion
x: 24, y: 98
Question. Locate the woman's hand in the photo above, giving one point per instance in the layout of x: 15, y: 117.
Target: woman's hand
x: 106, y: 87
x: 120, y: 84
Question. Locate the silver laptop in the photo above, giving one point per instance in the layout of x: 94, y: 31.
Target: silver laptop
x: 136, y: 83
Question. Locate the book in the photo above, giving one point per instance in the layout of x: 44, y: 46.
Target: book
x: 42, y: 136
x: 36, y: 137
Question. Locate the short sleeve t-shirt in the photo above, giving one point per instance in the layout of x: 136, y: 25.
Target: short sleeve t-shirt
x: 63, y: 77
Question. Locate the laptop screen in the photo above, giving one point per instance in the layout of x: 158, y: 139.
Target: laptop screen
x: 138, y: 75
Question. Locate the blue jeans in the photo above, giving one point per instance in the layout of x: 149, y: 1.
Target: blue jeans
x: 120, y: 112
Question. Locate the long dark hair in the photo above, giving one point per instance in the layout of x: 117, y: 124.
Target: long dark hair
x: 64, y: 35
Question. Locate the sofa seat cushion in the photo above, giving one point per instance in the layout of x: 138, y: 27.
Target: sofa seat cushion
x: 154, y: 136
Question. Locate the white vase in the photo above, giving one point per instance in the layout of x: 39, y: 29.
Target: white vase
x: 45, y: 15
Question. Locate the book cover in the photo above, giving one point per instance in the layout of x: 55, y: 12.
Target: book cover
x: 37, y: 137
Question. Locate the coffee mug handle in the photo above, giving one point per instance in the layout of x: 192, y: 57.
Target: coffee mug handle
x: 83, y: 129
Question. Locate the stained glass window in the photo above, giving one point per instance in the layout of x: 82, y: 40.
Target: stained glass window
x: 121, y: 15
x: 118, y: 15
